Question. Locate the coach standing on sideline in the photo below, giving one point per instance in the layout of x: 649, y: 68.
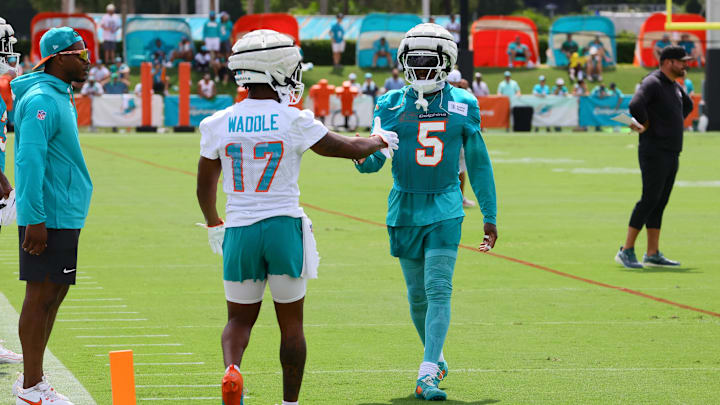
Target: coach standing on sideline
x: 660, y: 105
x: 53, y: 197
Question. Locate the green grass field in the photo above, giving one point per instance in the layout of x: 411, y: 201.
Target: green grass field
x: 519, y: 334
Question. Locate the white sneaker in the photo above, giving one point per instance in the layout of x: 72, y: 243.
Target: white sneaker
x: 468, y: 203
x: 41, y: 394
x: 17, y: 386
x: 9, y: 357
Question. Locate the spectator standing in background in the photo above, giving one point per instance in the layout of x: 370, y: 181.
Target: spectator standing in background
x: 183, y: 52
x: 394, y: 82
x: 91, y: 89
x: 508, y: 87
x: 479, y: 87
x: 206, y: 87
x: 541, y: 89
x: 369, y: 87
x: 580, y: 88
x: 110, y: 24
x: 691, y: 49
x: 569, y: 47
x: 100, y: 72
x: 660, y: 45
x: 517, y: 53
x: 115, y: 85
x: 454, y: 27
x: 226, y: 27
x: 382, y: 50
x: 559, y: 88
x: 337, y: 37
x: 202, y: 60
x: 689, y: 87
x: 211, y: 35
x: 352, y: 78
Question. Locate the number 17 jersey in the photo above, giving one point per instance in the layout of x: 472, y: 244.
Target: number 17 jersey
x: 260, y: 144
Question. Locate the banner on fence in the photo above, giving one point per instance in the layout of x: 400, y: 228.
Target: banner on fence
x: 123, y: 110
x: 551, y: 111
x: 595, y: 111
x: 494, y: 111
x: 199, y: 108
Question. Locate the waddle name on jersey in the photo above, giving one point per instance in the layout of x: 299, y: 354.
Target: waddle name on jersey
x: 253, y: 123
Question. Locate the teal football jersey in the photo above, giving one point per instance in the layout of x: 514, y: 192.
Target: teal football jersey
x: 425, y: 167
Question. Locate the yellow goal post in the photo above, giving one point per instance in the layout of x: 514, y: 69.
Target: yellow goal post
x: 687, y: 26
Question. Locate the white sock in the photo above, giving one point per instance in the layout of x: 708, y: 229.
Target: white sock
x: 426, y: 368
x: 290, y: 403
x: 442, y: 358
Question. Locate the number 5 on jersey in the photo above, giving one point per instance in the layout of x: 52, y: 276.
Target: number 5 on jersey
x: 422, y: 157
x: 273, y: 151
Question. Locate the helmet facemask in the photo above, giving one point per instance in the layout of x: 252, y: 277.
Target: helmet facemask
x: 292, y: 90
x: 7, y: 40
x: 426, y: 71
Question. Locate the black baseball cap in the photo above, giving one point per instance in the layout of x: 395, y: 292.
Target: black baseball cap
x: 674, y: 52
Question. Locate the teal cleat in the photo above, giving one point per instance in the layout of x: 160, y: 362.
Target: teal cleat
x: 627, y: 258
x: 442, y: 372
x: 658, y: 260
x: 427, y: 389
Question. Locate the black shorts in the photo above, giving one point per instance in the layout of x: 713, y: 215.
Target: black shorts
x: 58, y: 262
x: 108, y: 46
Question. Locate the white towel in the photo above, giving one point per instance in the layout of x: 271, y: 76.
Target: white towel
x: 8, y: 211
x: 311, y: 257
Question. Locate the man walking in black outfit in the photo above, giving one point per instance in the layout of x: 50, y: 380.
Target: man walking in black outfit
x: 660, y: 105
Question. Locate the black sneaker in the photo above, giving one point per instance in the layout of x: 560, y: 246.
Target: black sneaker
x: 627, y: 258
x: 658, y: 260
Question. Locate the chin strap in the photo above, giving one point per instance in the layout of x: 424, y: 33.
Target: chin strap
x: 421, y: 102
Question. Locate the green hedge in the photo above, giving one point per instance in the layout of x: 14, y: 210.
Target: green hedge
x: 320, y: 53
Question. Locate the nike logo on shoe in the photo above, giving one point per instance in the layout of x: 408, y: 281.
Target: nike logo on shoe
x: 68, y: 271
x: 31, y: 402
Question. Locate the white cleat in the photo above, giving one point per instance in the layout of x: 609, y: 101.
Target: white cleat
x: 17, y: 386
x: 9, y: 357
x: 40, y: 394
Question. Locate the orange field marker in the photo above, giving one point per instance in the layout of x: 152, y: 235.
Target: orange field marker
x: 122, y: 377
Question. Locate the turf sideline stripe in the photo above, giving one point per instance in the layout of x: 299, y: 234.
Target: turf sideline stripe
x: 538, y: 267
x: 60, y: 377
x: 512, y: 259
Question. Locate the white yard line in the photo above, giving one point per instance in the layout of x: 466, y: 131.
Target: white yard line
x: 102, y: 320
x: 93, y: 306
x: 176, y: 400
x: 121, y: 336
x: 180, y: 386
x: 136, y: 345
x: 101, y: 313
x: 151, y: 354
x: 92, y: 299
x: 61, y: 378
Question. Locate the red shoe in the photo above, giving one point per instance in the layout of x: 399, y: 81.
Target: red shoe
x: 232, y: 386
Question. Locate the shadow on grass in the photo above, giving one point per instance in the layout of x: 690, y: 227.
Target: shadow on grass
x: 652, y: 270
x: 410, y: 399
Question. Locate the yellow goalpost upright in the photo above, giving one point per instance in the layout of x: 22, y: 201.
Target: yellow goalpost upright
x: 689, y: 26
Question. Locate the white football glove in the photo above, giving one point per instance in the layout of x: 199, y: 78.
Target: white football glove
x: 8, y: 212
x: 216, y: 235
x: 389, y: 137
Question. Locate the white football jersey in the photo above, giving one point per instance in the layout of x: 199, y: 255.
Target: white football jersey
x: 260, y: 144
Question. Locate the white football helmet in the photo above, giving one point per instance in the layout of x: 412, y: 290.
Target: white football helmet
x: 426, y: 55
x: 267, y: 56
x: 7, y: 40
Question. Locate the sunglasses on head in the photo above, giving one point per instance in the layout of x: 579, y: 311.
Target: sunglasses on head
x: 84, y: 54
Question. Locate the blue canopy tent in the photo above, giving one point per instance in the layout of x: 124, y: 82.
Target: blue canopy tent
x: 143, y: 33
x: 584, y: 29
x: 392, y: 27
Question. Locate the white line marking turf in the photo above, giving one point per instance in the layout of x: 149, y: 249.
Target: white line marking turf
x: 136, y: 345
x: 183, y: 399
x: 121, y: 336
x: 151, y: 354
x: 102, y: 320
x: 60, y: 377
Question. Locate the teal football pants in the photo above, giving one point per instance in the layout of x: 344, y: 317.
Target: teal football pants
x: 429, y: 286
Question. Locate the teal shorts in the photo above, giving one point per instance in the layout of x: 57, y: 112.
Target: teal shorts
x: 271, y: 246
x: 411, y: 242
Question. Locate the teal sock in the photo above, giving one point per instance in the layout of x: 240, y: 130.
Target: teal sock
x: 413, y: 270
x: 439, y: 267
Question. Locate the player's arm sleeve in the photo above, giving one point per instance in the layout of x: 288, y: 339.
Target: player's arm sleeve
x: 307, y: 131
x: 38, y: 123
x: 372, y: 163
x: 208, y: 144
x: 479, y: 167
